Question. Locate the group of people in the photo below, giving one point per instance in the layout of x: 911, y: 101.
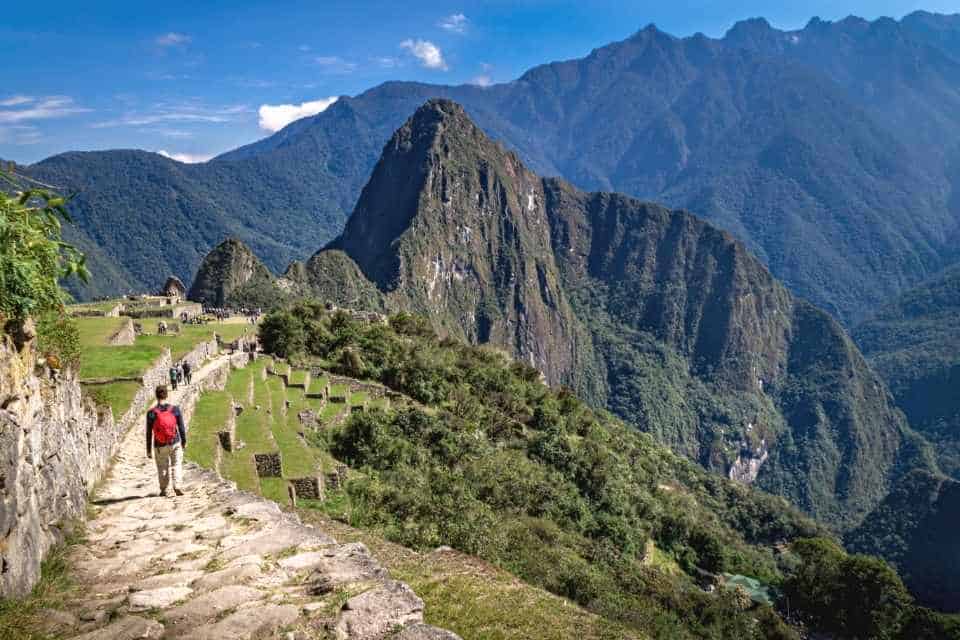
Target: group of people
x: 222, y: 313
x: 180, y: 373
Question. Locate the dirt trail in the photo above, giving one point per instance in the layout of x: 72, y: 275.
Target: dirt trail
x: 219, y: 563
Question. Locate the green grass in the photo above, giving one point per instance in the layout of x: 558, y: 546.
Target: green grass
x: 298, y: 376
x: 331, y: 411
x: 116, y: 395
x: 319, y: 383
x: 96, y: 331
x: 298, y: 459
x: 21, y: 619
x: 274, y: 489
x: 210, y: 415
x: 358, y: 398
x: 115, y: 362
x: 339, y: 390
x: 191, y: 335
x: 469, y: 596
x: 94, y: 306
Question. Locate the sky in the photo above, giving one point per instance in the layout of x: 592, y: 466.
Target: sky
x: 195, y: 79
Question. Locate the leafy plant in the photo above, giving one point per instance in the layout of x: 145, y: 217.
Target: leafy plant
x: 33, y: 256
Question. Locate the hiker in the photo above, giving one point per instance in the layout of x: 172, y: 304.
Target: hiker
x: 162, y: 328
x: 179, y: 373
x: 166, y: 440
x: 173, y: 377
x: 186, y: 371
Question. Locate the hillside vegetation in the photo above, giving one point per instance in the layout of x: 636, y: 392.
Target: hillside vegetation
x: 914, y: 343
x: 494, y: 463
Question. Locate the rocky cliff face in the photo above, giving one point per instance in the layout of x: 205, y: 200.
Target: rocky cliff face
x: 231, y: 275
x: 653, y: 313
x: 53, y: 447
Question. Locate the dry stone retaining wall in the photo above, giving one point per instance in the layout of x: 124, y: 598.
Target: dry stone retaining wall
x: 124, y: 336
x: 54, y: 445
x: 269, y: 465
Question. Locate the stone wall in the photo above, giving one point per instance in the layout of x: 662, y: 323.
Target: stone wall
x: 54, y: 445
x: 124, y: 336
x: 308, y: 488
x: 268, y: 465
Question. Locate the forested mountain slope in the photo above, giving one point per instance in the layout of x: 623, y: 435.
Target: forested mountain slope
x: 914, y: 343
x: 826, y: 150
x: 665, y: 320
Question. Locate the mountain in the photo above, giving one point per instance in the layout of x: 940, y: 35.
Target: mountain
x: 914, y: 344
x: 826, y: 150
x: 232, y: 276
x: 667, y: 321
x: 915, y: 529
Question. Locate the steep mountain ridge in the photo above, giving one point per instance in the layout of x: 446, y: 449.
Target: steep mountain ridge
x: 914, y: 343
x: 826, y: 150
x: 653, y: 313
x: 231, y: 275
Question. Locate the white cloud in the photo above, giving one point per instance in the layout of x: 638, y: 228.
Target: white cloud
x: 387, y: 62
x: 39, y: 109
x: 335, y: 64
x: 14, y: 101
x: 426, y: 52
x: 482, y: 80
x: 164, y: 113
x: 19, y: 134
x: 456, y: 23
x: 274, y: 117
x: 172, y: 39
x: 188, y: 158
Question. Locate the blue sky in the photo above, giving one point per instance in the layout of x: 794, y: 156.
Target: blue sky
x: 194, y: 79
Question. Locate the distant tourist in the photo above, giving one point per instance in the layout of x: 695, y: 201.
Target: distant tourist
x: 173, y: 377
x: 166, y: 440
x: 179, y: 373
x: 187, y: 372
x: 162, y: 328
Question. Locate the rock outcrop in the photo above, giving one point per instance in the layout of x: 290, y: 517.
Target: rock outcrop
x: 231, y: 275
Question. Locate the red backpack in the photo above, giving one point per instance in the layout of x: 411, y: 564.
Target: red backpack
x: 164, y: 426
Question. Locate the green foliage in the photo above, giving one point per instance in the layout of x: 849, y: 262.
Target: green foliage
x: 33, y: 257
x: 530, y: 478
x: 58, y: 335
x: 857, y: 596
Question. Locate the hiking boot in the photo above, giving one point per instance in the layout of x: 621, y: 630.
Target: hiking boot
x: 179, y: 492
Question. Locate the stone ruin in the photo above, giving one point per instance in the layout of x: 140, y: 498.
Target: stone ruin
x: 269, y: 465
x: 310, y: 487
x: 336, y: 478
x: 307, y: 418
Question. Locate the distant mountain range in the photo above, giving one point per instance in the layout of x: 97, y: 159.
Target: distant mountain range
x: 829, y: 151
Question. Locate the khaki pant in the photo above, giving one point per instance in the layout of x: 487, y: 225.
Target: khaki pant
x: 166, y: 457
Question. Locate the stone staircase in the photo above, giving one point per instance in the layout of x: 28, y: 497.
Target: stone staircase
x: 219, y: 563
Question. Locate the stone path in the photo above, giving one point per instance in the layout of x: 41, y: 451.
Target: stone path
x: 219, y: 563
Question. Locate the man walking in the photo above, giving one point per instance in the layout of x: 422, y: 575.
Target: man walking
x: 186, y: 372
x: 166, y: 440
x: 173, y: 377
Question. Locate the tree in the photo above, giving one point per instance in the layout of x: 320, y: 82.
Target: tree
x: 33, y: 257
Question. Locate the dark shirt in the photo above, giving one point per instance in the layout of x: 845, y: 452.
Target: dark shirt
x: 181, y: 429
